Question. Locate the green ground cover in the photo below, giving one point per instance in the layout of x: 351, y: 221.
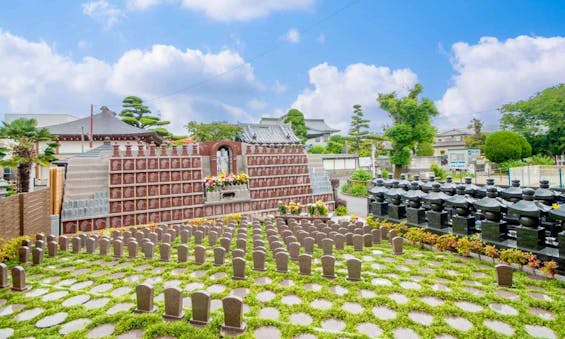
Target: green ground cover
x: 420, y: 292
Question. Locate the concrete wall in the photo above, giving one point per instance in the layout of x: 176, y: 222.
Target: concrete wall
x: 25, y: 214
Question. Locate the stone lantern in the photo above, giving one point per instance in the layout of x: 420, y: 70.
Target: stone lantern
x: 417, y: 180
x: 558, y: 215
x: 396, y: 209
x: 544, y: 194
x: 482, y: 191
x: 388, y: 181
x: 493, y: 228
x: 403, y: 183
x: 378, y: 207
x: 427, y: 187
x: 374, y: 181
x: 437, y: 217
x: 529, y: 234
x: 464, y: 221
x: 512, y: 193
x: 415, y: 213
x: 448, y: 187
x: 470, y: 188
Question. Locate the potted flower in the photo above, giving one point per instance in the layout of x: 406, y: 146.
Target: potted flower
x: 282, y: 208
x: 354, y: 218
x: 321, y: 208
x: 311, y: 209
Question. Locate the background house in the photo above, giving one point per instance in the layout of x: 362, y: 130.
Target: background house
x: 450, y: 139
x: 318, y: 131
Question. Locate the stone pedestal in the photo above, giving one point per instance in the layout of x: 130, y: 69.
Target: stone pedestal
x: 415, y: 216
x: 463, y: 225
x: 494, y: 231
x: 530, y: 238
x: 437, y: 220
x: 379, y: 209
x: 396, y: 212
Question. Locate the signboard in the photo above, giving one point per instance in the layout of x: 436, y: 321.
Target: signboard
x: 461, y: 159
x: 365, y: 162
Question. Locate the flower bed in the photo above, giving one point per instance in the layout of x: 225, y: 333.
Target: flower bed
x: 223, y: 180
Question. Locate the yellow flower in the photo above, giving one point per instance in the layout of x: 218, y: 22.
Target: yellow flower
x: 556, y: 206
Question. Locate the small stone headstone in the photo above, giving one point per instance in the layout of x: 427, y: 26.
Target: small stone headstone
x: 238, y: 253
x: 184, y: 236
x: 3, y: 276
x: 104, y: 246
x: 118, y: 247
x: 391, y: 235
x: 239, y: 269
x: 339, y: 242
x: 19, y: 279
x: 23, y: 254
x: 173, y: 302
x: 138, y: 236
x: 354, y: 269
x: 153, y: 237
x: 37, y: 256
x: 233, y: 316
x: 40, y: 243
x: 294, y: 250
x: 328, y: 266
x: 327, y: 246
x: 144, y: 294
x: 166, y: 238
x: 259, y: 261
x: 165, y: 251
x: 367, y: 240
x: 241, y: 244
x: 52, y: 248
x: 76, y: 244
x: 376, y: 233
x: 63, y: 243
x: 198, y: 237
x: 182, y: 253
x: 384, y: 232
x: 40, y: 236
x: 357, y: 242
x: 212, y: 238
x: 397, y: 243
x: 199, y: 254
x: 349, y: 238
x: 219, y: 256
x: 90, y: 245
x: 200, y: 301
x: 504, y: 275
x: 305, y: 264
x: 225, y: 243
x: 308, y: 244
x: 281, y: 260
x: 132, y: 249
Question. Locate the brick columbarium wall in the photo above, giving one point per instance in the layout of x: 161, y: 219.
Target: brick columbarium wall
x: 166, y: 184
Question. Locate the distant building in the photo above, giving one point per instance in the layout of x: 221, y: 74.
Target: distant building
x: 450, y: 139
x: 318, y: 131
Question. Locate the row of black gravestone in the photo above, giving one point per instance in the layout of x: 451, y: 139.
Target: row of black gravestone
x: 523, y: 215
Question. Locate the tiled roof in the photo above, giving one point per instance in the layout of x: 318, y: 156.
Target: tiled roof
x: 268, y: 134
x: 316, y: 127
x: 449, y: 143
x: 454, y: 132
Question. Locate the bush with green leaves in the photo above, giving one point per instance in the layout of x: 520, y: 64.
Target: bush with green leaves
x: 439, y: 172
x: 502, y: 146
x: 541, y: 159
x: 358, y: 191
x: 361, y: 175
x: 340, y: 211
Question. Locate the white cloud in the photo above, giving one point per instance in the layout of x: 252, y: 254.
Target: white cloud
x: 492, y: 73
x: 38, y: 80
x: 229, y: 10
x: 83, y: 44
x: 102, y: 11
x: 335, y: 92
x: 257, y: 105
x: 321, y: 39
x: 293, y: 35
x: 279, y: 88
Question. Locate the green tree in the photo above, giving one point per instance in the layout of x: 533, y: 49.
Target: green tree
x: 359, y: 129
x: 540, y: 119
x: 214, y: 131
x: 296, y: 120
x: 478, y: 138
x: 335, y: 144
x: 135, y: 113
x: 425, y: 149
x: 22, y: 153
x: 412, y: 124
x: 503, y: 146
x: 317, y: 149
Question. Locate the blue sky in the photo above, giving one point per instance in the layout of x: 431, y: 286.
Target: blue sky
x: 238, y: 60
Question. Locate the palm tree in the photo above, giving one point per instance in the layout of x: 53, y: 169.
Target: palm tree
x: 22, y: 151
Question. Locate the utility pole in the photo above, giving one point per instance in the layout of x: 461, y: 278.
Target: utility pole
x: 91, y: 124
x: 82, y: 139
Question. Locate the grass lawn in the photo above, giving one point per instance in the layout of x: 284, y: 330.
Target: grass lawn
x: 419, y: 293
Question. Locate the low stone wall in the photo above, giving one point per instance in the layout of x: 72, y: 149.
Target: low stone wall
x: 25, y: 214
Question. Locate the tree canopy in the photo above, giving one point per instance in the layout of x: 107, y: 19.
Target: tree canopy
x: 335, y: 145
x: 214, y: 131
x: 503, y: 146
x: 296, y: 120
x: 478, y: 138
x: 411, y: 124
x: 359, y: 129
x: 540, y: 119
x: 135, y: 113
x: 21, y: 154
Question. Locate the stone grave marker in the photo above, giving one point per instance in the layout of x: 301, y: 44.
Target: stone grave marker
x: 259, y: 261
x: 281, y: 259
x: 339, y: 242
x: 239, y: 269
x: 368, y: 240
x: 354, y: 269
x: 52, y: 248
x: 153, y: 237
x: 39, y: 243
x: 173, y: 303
x: 384, y: 232
x: 118, y: 247
x: 504, y: 275
x: 26, y: 242
x: 76, y: 244
x: 23, y: 254
x: 225, y: 243
x: 328, y: 266
x: 199, y: 254
x: 397, y: 243
x: 198, y: 237
x: 357, y: 242
x: 104, y: 246
x: 376, y: 233
x: 219, y: 256
x: 166, y: 238
x: 294, y: 250
x: 238, y: 253
x: 63, y: 243
x: 165, y: 251
x: 327, y: 246
x: 182, y: 253
x: 233, y: 316
x: 305, y: 264
x: 308, y: 243
x: 19, y: 279
x: 391, y: 235
x: 241, y: 244
x: 200, y: 308
x: 4, y: 276
x: 184, y: 236
x: 37, y: 256
x: 212, y: 238
x: 132, y: 249
x: 144, y: 294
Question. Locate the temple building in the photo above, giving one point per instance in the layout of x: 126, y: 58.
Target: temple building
x: 318, y: 131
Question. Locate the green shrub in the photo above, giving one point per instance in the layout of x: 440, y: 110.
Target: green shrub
x: 9, y: 248
x: 439, y: 172
x: 502, y: 146
x: 511, y: 163
x: 345, y: 187
x: 385, y: 172
x: 361, y: 175
x: 340, y: 211
x: 358, y: 191
x: 541, y: 159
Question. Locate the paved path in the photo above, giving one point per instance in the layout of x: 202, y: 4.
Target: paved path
x: 357, y: 206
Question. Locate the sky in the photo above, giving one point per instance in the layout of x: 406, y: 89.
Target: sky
x: 238, y: 60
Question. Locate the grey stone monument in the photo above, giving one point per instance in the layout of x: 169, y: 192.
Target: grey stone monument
x: 281, y: 259
x: 233, y: 316
x: 19, y: 279
x: 182, y: 253
x: 328, y: 266
x: 144, y: 294
x: 200, y: 308
x: 239, y: 269
x: 219, y: 256
x: 199, y: 254
x: 173, y: 303
x: 354, y: 269
x: 305, y: 264
x: 504, y: 275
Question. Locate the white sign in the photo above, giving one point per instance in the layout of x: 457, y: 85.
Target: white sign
x: 460, y: 159
x: 364, y: 161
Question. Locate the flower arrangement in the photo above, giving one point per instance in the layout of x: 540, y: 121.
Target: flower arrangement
x: 292, y: 208
x: 354, y: 218
x: 318, y: 208
x: 219, y: 182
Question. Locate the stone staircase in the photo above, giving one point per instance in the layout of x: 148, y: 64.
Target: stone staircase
x: 319, y: 178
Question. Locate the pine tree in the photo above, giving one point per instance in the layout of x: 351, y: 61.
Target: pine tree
x: 359, y: 129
